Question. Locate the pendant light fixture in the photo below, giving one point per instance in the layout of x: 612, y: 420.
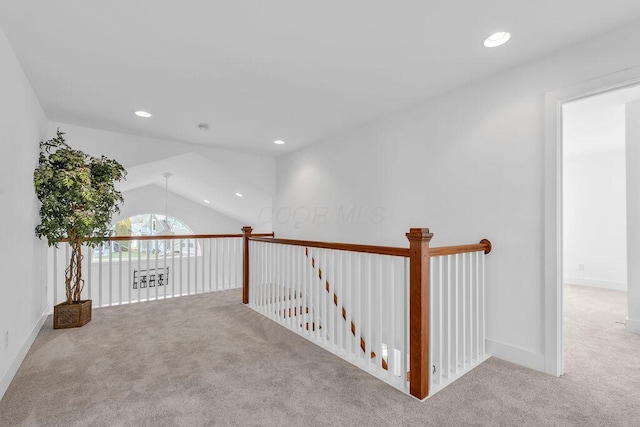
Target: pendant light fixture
x: 166, y: 227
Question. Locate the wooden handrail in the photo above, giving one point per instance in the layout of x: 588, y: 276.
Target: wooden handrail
x: 484, y: 245
x: 171, y: 237
x: 350, y: 247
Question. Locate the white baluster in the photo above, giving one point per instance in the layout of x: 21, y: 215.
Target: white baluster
x: 308, y: 283
x: 260, y: 284
x: 180, y: 263
x: 228, y: 265
x: 464, y: 312
x: 285, y: 288
x: 120, y: 272
x: 255, y: 261
x: 339, y: 291
x: 275, y: 284
x: 139, y: 272
x: 447, y: 371
x: 472, y: 318
x: 173, y: 268
x: 267, y: 279
x: 441, y: 325
x: 391, y: 343
x: 484, y: 313
x: 216, y: 260
x: 110, y: 275
x: 156, y: 244
x: 238, y: 259
x: 285, y: 301
x: 99, y: 276
x: 332, y: 275
x: 262, y: 275
x: 54, y: 251
x: 347, y: 304
x: 165, y: 276
x: 478, y: 298
x: 357, y: 301
x: 129, y: 271
x: 405, y: 355
x: 378, y: 333
x: 433, y: 319
x: 195, y: 265
x: 188, y: 266
x: 289, y: 292
x: 365, y: 323
x: 210, y: 252
x: 322, y: 291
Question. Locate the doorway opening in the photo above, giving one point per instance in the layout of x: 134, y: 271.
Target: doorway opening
x: 624, y: 83
x: 594, y: 227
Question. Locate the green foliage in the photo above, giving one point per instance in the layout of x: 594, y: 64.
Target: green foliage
x: 123, y: 228
x: 77, y: 192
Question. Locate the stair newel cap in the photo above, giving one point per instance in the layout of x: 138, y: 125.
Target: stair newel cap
x: 419, y: 234
x: 247, y: 229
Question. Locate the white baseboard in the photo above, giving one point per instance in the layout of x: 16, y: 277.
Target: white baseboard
x: 582, y: 281
x: 7, y: 377
x: 633, y: 326
x: 519, y: 356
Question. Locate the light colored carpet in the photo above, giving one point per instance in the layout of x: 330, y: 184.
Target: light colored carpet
x: 209, y: 360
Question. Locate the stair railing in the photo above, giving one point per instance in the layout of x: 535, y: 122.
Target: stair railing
x: 371, y: 305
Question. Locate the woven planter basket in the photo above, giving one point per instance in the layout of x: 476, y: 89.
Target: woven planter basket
x: 71, y: 316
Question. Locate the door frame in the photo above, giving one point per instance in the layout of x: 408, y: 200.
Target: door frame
x: 553, y: 346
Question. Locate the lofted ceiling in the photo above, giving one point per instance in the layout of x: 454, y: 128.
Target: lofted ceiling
x: 257, y: 70
x: 198, y: 178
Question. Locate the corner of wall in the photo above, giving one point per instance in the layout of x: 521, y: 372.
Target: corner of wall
x: 526, y: 358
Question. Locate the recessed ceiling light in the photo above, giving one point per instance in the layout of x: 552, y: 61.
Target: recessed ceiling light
x: 206, y: 201
x: 239, y: 195
x: 278, y: 142
x: 143, y: 114
x: 497, y: 39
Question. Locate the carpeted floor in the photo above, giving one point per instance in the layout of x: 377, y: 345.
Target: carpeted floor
x: 209, y: 360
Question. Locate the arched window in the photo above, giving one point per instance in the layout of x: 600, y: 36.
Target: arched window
x: 149, y: 224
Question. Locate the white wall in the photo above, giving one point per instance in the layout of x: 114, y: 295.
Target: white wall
x: 633, y: 215
x: 151, y: 199
x: 469, y: 165
x: 22, y: 256
x: 595, y: 216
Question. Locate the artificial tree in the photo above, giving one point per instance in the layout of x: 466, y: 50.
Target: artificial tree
x: 79, y: 198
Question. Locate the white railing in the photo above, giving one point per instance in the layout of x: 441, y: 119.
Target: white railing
x: 457, y: 316
x: 127, y: 270
x: 351, y: 303
x: 413, y: 317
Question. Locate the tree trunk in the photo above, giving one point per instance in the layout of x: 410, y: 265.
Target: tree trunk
x: 68, y: 276
x: 73, y: 273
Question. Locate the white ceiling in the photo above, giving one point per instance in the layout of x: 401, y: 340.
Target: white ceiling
x: 257, y: 70
x: 596, y: 124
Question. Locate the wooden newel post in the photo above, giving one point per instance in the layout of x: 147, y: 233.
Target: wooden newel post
x: 246, y: 230
x: 419, y: 311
